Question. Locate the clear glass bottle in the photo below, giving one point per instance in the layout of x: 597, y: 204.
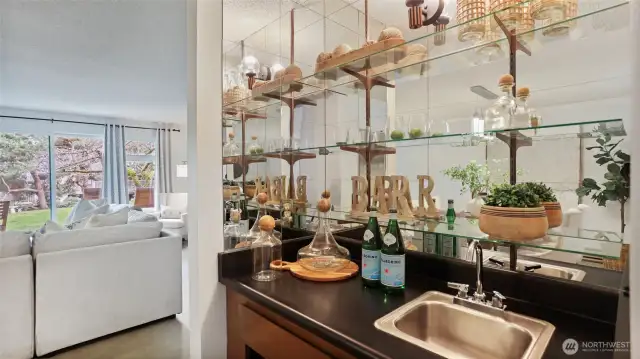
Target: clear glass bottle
x: 266, y: 249
x: 255, y: 148
x: 498, y: 116
x: 233, y: 234
x: 323, y: 254
x: 231, y: 148
x: 522, y: 113
x: 254, y: 232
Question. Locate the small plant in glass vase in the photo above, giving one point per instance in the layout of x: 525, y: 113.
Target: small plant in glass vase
x: 476, y: 178
x: 616, y: 187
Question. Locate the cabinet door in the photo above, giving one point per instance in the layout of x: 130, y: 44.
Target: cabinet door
x: 271, y: 341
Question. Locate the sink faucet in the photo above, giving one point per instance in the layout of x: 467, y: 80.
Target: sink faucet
x: 479, y: 296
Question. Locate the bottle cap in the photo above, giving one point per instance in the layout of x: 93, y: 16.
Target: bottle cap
x: 393, y: 210
x: 450, y: 201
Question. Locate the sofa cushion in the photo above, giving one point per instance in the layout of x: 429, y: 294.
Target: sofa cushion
x: 84, y: 208
x: 109, y: 219
x: 91, y: 237
x: 172, y: 223
x: 14, y: 244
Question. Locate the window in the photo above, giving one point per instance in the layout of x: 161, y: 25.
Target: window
x: 78, y: 171
x: 141, y: 166
x: 24, y: 179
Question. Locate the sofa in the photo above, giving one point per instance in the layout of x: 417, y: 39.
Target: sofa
x: 97, y: 281
x: 16, y: 296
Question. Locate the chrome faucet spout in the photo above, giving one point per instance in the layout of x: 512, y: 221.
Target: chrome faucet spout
x: 479, y: 271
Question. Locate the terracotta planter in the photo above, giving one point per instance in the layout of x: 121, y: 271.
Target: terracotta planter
x: 554, y: 213
x: 250, y: 190
x: 229, y: 190
x: 518, y: 224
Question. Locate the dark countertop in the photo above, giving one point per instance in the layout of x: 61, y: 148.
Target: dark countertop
x: 343, y: 314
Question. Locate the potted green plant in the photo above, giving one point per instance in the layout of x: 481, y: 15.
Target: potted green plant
x: 616, y: 187
x: 474, y: 178
x: 230, y: 187
x: 513, y: 212
x: 549, y: 201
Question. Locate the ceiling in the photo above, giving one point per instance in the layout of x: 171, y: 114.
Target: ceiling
x: 124, y: 59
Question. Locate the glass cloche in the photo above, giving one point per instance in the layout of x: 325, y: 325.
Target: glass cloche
x: 267, y: 249
x: 231, y: 148
x: 499, y: 115
x: 323, y: 254
x: 255, y: 148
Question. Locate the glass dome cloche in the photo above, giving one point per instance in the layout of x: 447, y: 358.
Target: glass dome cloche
x: 324, y: 254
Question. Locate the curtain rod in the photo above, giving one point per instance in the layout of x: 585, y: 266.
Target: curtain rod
x: 85, y: 123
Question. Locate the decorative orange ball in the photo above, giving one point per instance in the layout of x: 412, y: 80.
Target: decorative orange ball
x: 326, y: 194
x: 262, y: 198
x: 266, y: 223
x: 523, y: 92
x: 506, y: 80
x: 232, y: 135
x: 324, y: 205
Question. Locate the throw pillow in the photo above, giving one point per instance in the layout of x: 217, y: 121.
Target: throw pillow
x: 139, y: 216
x: 14, y: 243
x: 82, y: 222
x: 108, y: 219
x: 167, y: 212
x: 84, y: 208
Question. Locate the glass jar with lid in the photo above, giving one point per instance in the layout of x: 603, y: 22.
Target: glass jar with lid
x: 323, y: 254
x: 254, y: 232
x: 267, y: 249
x: 498, y: 116
x: 255, y: 148
x: 231, y: 148
x: 522, y: 113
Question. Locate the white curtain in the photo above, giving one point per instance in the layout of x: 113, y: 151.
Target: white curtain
x: 164, y: 179
x: 114, y: 184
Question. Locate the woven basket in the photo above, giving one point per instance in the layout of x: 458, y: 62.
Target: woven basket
x: 561, y: 27
x: 548, y: 9
x: 492, y: 47
x: 470, y: 14
x: 618, y: 264
x: 511, y: 12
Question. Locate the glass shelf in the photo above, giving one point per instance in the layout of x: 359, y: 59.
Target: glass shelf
x: 550, y: 131
x: 414, y: 66
x: 580, y: 241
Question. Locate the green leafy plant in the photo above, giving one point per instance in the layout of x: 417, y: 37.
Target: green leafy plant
x: 474, y: 177
x: 616, y: 187
x: 543, y: 191
x: 516, y: 196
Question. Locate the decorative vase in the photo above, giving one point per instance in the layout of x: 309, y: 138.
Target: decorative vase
x: 229, y: 191
x: 519, y: 224
x: 554, y: 213
x: 474, y: 206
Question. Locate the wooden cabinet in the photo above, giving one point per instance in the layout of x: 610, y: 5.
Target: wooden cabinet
x: 254, y: 332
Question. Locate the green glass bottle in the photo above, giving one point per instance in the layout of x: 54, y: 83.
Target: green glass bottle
x: 392, y: 265
x: 451, y: 213
x: 371, y: 246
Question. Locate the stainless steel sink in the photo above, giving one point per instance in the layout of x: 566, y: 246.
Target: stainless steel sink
x: 545, y: 269
x: 433, y: 322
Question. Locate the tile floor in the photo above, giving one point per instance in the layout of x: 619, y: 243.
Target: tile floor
x: 166, y: 339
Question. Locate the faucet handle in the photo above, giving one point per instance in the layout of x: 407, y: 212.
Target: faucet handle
x: 462, y: 289
x: 497, y: 299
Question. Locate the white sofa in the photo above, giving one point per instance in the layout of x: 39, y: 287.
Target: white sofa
x: 94, y: 282
x: 16, y: 296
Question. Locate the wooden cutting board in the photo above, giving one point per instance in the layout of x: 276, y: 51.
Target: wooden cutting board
x: 297, y: 270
